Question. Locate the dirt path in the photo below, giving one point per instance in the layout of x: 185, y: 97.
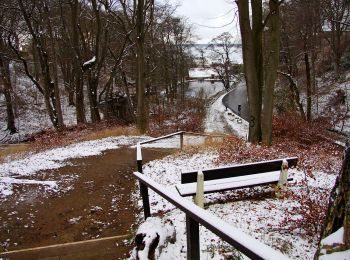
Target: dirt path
x: 95, y: 202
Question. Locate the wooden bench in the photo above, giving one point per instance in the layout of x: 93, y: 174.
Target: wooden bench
x: 234, y: 177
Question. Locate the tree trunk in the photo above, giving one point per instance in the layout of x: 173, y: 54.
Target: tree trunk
x: 295, y: 93
x: 92, y: 94
x: 338, y: 213
x: 271, y: 72
x: 140, y: 60
x: 252, y: 67
x: 6, y: 79
x: 308, y: 86
x: 79, y: 87
x: 56, y: 89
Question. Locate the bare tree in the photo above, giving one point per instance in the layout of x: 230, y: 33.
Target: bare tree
x: 6, y: 21
x: 221, y: 48
x: 336, y: 17
x: 139, y: 17
x: 32, y: 13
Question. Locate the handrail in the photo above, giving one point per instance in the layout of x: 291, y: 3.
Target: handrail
x: 204, y: 134
x: 234, y: 236
x: 143, y: 188
x: 162, y: 137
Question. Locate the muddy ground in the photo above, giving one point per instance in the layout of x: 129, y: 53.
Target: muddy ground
x: 94, y: 201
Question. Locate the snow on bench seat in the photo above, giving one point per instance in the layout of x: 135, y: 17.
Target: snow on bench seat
x: 189, y: 189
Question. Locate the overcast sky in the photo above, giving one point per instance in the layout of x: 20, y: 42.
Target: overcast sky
x: 209, y: 13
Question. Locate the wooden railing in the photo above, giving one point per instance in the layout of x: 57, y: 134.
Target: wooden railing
x: 143, y: 188
x: 195, y: 215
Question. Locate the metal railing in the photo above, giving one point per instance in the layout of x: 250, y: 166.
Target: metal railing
x: 196, y: 215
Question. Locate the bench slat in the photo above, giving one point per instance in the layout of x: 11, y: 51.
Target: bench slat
x: 238, y: 170
x: 211, y: 186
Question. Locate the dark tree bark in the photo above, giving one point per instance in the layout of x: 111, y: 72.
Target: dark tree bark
x: 142, y: 113
x: 77, y: 69
x: 338, y: 214
x: 6, y: 79
x: 54, y: 69
x: 308, y: 87
x: 271, y: 66
x: 252, y: 65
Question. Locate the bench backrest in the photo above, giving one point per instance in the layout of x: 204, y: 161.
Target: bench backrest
x: 238, y: 170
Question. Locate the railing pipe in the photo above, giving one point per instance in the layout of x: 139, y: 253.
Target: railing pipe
x: 162, y: 137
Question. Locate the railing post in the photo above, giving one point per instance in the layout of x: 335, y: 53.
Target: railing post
x: 143, y: 188
x: 181, y: 140
x: 283, y: 180
x: 192, y: 230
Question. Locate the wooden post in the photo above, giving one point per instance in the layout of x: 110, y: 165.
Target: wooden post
x: 143, y: 188
x: 192, y: 230
x: 199, y: 198
x: 181, y: 140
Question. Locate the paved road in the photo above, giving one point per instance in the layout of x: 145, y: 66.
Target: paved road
x: 235, y: 98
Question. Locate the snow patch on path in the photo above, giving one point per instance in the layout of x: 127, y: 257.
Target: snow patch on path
x: 13, y: 172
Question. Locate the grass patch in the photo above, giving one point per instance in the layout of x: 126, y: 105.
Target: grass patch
x: 7, y: 150
x: 209, y: 143
x: 114, y: 131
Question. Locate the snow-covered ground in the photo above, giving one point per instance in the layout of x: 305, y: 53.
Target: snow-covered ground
x: 222, y: 120
x: 204, y: 89
x: 260, y: 218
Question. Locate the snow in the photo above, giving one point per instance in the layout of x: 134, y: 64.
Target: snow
x: 74, y: 220
x: 343, y: 255
x: 203, y: 89
x: 201, y: 72
x: 220, y: 120
x: 230, y: 183
x: 91, y: 61
x: 152, y: 228
x: 335, y: 238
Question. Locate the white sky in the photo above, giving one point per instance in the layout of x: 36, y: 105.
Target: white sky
x: 212, y: 13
